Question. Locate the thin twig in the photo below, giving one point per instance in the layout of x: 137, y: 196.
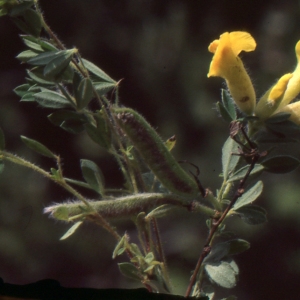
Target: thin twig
x: 216, y: 223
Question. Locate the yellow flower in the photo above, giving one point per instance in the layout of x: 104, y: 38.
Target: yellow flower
x: 228, y: 65
x: 293, y: 87
x: 271, y: 100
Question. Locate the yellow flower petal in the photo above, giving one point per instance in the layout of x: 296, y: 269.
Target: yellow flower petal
x: 270, y: 101
x: 293, y: 88
x: 241, y: 41
x: 228, y: 65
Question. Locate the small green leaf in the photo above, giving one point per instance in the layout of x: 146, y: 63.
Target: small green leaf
x: 229, y: 160
x: 228, y: 104
x: 51, y: 99
x: 222, y: 273
x: 70, y: 121
x: 240, y: 174
x: 2, y: 140
x: 39, y: 78
x: 37, y: 147
x: 104, y: 87
x: 19, y: 9
x: 31, y: 43
x: 47, y: 46
x: 252, y: 214
x: 33, y: 21
x: 26, y: 55
x: 237, y: 246
x: 119, y: 246
x: 57, y: 65
x: 249, y: 196
x: 71, y: 230
x: 162, y: 211
x: 22, y: 89
x: 100, y: 134
x: 92, y: 175
x: 97, y: 71
x: 280, y: 164
x: 84, y: 93
x: 28, y: 97
x: 223, y: 112
x: 130, y: 271
x: 44, y: 58
x: 149, y: 257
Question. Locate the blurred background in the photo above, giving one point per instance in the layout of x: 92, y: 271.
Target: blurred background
x: 159, y: 49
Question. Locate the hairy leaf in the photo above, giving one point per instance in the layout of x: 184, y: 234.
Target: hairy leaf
x: 229, y: 161
x: 249, y: 196
x: 92, y: 175
x: 71, y: 230
x: 37, y: 147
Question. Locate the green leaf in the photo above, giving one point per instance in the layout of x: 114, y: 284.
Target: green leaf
x: 47, y: 46
x: 223, y: 112
x: 229, y: 161
x: 249, y: 196
x: 28, y: 97
x: 222, y: 273
x: 149, y: 257
x: 100, y: 134
x: 104, y: 87
x: 162, y: 211
x: 39, y: 78
x: 26, y: 55
x: 44, y: 58
x: 57, y: 65
x: 33, y: 21
x: 84, y: 93
x: 240, y: 174
x: 22, y: 89
x: 92, y: 175
x: 97, y: 71
x: 19, y: 9
x: 51, y: 99
x: 228, y: 105
x: 252, y: 214
x: 280, y: 164
x: 32, y: 43
x: 130, y: 271
x: 120, y: 247
x: 68, y: 120
x: 2, y: 140
x: 37, y: 147
x: 71, y: 230
x: 237, y: 246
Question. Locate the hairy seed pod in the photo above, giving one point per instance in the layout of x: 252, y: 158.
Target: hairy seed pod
x: 124, y: 207
x: 154, y: 152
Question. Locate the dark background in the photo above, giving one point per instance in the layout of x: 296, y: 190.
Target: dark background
x: 159, y: 49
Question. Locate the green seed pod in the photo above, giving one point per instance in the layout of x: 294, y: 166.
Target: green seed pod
x: 124, y: 207
x: 155, y: 153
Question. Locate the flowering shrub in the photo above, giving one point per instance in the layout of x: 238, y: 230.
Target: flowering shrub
x: 156, y: 184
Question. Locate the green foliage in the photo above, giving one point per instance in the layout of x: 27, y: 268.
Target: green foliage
x: 37, y: 147
x: 155, y: 184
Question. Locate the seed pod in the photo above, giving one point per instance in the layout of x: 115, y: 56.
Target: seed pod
x: 155, y: 153
x: 124, y: 207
